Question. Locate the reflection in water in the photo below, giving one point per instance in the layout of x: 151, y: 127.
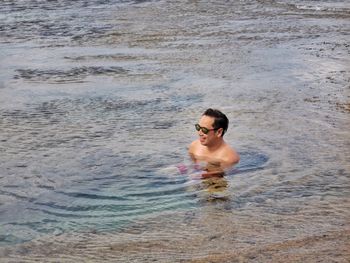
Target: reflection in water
x: 216, y: 189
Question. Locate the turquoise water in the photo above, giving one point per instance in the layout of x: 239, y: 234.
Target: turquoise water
x: 98, y: 191
x: 97, y: 105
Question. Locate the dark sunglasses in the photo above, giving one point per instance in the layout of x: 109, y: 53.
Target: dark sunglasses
x: 204, y: 130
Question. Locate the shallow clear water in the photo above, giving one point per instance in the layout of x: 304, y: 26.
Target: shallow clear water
x: 97, y: 105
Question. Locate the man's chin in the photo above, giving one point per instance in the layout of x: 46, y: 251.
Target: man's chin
x: 203, y: 142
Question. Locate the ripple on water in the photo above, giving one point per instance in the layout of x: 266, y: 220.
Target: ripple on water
x: 92, y: 202
x: 101, y: 205
x: 93, y: 163
x: 68, y: 176
x: 72, y: 75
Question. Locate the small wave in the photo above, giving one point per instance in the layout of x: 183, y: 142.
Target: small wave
x: 339, y: 7
x: 324, y: 6
x: 64, y: 76
x: 113, y: 57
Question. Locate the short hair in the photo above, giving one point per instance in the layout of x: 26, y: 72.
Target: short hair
x: 220, y: 119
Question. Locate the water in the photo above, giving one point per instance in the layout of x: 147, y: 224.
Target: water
x: 97, y: 104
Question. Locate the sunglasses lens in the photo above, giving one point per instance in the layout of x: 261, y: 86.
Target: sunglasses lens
x: 205, y: 130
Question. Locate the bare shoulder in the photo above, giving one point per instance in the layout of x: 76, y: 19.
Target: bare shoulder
x: 193, y: 146
x: 193, y: 149
x: 230, y: 155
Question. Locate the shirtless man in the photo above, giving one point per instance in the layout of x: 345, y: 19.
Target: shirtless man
x: 211, y: 148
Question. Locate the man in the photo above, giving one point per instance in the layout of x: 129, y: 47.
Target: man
x: 211, y: 148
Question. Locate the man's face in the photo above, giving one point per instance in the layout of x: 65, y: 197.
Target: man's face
x: 211, y: 136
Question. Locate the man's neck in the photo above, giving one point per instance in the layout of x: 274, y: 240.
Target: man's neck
x: 216, y: 146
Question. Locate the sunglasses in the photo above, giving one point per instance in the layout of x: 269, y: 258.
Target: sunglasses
x: 204, y: 130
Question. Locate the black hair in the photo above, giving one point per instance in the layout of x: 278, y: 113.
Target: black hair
x: 220, y: 119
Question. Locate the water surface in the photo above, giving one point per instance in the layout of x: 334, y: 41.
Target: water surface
x: 97, y: 104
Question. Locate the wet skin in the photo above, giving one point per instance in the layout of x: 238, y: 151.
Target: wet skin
x: 211, y: 149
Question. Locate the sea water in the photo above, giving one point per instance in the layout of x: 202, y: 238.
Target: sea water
x: 99, y: 98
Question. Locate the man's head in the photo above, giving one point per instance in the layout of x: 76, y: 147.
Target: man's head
x: 220, y: 119
x: 212, y: 127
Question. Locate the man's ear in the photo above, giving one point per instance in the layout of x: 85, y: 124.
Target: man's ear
x: 219, y: 132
